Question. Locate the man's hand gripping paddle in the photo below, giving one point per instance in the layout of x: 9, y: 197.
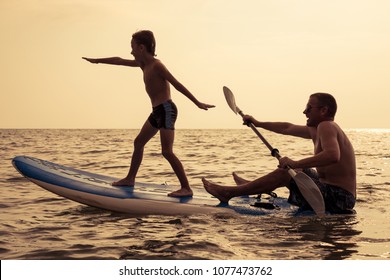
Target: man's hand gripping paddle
x: 305, y: 184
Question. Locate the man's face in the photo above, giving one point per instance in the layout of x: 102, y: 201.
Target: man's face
x: 313, y: 112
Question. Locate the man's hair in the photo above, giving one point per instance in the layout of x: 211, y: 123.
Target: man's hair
x: 146, y: 38
x: 327, y: 100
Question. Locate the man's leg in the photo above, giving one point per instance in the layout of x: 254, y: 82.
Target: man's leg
x: 265, y: 184
x: 147, y: 132
x: 239, y: 180
x: 167, y: 137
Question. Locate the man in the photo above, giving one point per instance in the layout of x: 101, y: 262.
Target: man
x: 333, y: 159
x: 157, y: 79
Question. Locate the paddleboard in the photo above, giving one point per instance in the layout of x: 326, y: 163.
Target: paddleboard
x: 142, y: 199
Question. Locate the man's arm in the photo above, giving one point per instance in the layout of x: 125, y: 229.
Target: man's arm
x: 330, y: 150
x: 281, y: 127
x: 113, y: 61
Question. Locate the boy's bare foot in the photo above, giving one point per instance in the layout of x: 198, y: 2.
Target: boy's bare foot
x: 123, y: 183
x: 181, y: 193
x: 216, y: 190
x: 239, y: 180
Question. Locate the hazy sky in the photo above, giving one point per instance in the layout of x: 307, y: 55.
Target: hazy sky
x: 272, y: 54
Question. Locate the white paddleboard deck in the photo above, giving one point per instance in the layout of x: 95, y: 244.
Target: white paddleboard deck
x: 142, y: 199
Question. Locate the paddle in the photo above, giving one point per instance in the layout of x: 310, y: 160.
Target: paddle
x: 305, y: 184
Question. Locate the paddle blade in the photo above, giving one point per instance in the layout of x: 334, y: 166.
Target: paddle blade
x: 230, y: 99
x: 310, y: 192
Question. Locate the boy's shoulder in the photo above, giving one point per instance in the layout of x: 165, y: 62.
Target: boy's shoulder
x: 157, y: 62
x: 157, y: 65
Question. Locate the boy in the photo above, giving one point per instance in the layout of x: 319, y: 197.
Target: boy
x: 157, y: 79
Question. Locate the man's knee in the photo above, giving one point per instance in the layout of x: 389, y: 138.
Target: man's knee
x: 283, y: 175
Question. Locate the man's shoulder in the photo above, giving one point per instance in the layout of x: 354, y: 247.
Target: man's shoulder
x: 329, y: 126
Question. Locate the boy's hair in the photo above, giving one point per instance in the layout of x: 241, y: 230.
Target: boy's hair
x: 146, y: 38
x: 327, y: 100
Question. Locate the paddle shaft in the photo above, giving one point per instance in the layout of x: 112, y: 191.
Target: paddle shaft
x: 274, y: 152
x: 306, y: 185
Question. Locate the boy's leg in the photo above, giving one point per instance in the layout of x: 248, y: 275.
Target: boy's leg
x: 167, y: 137
x: 147, y: 132
x: 265, y: 184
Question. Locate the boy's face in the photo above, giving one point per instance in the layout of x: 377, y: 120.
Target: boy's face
x: 136, y: 49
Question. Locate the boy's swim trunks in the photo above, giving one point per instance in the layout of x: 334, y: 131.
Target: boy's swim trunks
x: 164, y: 115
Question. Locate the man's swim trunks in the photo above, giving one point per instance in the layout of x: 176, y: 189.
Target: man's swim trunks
x: 164, y: 115
x: 337, y: 200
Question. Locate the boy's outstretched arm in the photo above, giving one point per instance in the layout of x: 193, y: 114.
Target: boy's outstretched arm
x: 113, y: 61
x: 181, y: 88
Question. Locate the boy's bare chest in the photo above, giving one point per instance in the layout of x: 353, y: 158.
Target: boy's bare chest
x: 156, y: 87
x: 150, y: 76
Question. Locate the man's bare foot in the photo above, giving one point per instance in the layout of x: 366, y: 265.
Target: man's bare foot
x: 123, y: 183
x: 239, y: 180
x: 181, y: 193
x: 216, y: 190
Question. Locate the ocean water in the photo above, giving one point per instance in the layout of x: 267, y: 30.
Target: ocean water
x: 36, y: 224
